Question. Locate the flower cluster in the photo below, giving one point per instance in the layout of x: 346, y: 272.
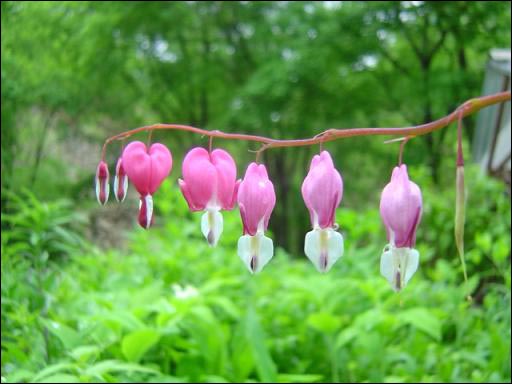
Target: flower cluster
x: 146, y: 168
x: 209, y: 184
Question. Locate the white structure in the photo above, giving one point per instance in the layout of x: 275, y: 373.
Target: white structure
x: 491, y: 144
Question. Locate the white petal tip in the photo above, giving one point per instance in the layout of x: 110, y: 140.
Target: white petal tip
x: 212, y: 225
x: 323, y: 247
x: 146, y: 211
x: 120, y: 188
x: 255, y: 251
x: 116, y: 188
x: 398, y: 265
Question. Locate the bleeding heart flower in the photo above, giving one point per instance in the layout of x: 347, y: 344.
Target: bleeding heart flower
x: 322, y: 191
x: 120, y: 181
x: 146, y: 171
x: 400, y: 209
x: 209, y: 184
x: 101, y: 181
x: 256, y: 199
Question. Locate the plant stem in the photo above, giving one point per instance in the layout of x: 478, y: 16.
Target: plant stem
x: 469, y: 107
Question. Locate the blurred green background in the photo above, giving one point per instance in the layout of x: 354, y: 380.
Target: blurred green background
x: 87, y: 295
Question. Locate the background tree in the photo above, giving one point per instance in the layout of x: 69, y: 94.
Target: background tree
x: 283, y: 69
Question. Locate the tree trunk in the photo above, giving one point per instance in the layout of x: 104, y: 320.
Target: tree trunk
x: 206, y: 46
x: 40, y: 147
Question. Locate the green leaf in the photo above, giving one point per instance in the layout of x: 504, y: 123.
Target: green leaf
x: 126, y: 320
x: 214, y: 379
x: 323, y: 322
x: 166, y: 379
x: 60, y: 378
x: 265, y: 366
x: 67, y: 335
x: 136, y: 344
x: 85, y: 352
x: 53, y: 369
x: 298, y: 378
x: 226, y: 305
x: 346, y: 336
x: 18, y: 376
x: 107, y: 366
x: 242, y: 359
x: 423, y: 320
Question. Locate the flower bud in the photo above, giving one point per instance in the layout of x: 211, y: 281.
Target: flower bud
x: 120, y: 181
x: 101, y: 181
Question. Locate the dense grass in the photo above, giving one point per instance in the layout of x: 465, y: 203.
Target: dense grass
x: 166, y: 307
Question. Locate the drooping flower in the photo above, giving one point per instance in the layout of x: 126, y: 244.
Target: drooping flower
x: 209, y: 184
x: 400, y: 209
x: 256, y: 199
x: 101, y: 182
x: 146, y: 169
x: 120, y: 181
x: 322, y: 191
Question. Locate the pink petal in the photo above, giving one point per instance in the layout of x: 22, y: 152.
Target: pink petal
x: 211, y: 178
x: 137, y: 166
x: 161, y: 165
x: 401, y: 208
x: 200, y: 176
x: 235, y: 195
x: 102, y: 185
x: 322, y: 190
x: 256, y: 198
x: 188, y: 198
x: 226, y: 177
x: 146, y: 170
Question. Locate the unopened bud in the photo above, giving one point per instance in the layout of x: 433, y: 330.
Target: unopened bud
x: 120, y: 181
x: 101, y: 180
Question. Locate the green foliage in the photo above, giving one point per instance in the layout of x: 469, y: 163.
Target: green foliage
x: 487, y: 219
x: 172, y: 309
x: 163, y: 306
x: 76, y: 72
x: 39, y: 230
x: 34, y: 235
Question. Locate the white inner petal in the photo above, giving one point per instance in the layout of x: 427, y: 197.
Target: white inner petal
x: 255, y: 251
x: 98, y: 189
x: 387, y: 266
x: 261, y: 227
x: 410, y: 263
x: 149, y: 210
x: 124, y: 180
x: 125, y: 186
x: 323, y: 247
x: 212, y: 225
x: 115, y: 187
x: 398, y: 265
x: 391, y: 237
x: 315, y: 220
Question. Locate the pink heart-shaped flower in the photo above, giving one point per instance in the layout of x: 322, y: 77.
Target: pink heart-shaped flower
x: 209, y: 179
x: 146, y: 170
